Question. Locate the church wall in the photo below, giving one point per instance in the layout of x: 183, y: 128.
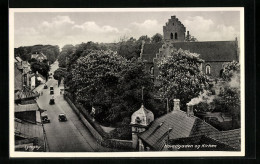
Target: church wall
x: 215, y: 68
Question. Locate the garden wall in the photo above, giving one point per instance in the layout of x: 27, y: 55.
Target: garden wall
x: 96, y: 130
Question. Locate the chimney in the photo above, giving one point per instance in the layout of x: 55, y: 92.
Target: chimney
x: 176, y: 103
x: 188, y: 33
x: 190, y: 110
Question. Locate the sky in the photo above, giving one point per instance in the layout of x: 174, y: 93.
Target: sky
x: 61, y: 28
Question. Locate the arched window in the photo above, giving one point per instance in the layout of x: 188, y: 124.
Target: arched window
x: 221, y: 72
x: 207, y: 69
x: 152, y: 70
x: 171, y: 36
x: 176, y: 36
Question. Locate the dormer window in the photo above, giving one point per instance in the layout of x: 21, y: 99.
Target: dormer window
x: 137, y: 120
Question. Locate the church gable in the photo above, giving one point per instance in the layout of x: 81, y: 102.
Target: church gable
x: 174, y: 30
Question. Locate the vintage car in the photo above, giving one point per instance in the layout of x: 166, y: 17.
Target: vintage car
x: 52, y: 101
x: 45, y: 86
x: 51, y: 90
x: 45, y: 118
x: 62, y: 117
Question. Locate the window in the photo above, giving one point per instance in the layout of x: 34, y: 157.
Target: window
x: 152, y: 70
x: 173, y: 24
x: 171, y: 36
x: 176, y: 36
x: 207, y: 69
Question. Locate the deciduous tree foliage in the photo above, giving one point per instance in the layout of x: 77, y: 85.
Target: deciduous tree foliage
x: 181, y: 77
x: 157, y: 38
x: 41, y: 67
x: 60, y: 74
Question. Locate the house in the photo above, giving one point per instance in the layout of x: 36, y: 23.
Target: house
x: 38, y: 56
x: 18, y: 81
x: 28, y: 112
x: 176, y: 127
x: 214, y: 53
x: 28, y: 136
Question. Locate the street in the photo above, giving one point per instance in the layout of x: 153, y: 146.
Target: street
x: 68, y: 136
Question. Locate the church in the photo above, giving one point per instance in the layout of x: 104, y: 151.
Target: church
x: 214, y: 53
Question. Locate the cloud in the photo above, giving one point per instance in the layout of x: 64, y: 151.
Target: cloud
x: 148, y: 27
x: 206, y: 30
x: 62, y: 30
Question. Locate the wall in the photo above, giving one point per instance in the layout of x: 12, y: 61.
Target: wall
x: 98, y: 137
x: 27, y: 116
x: 215, y: 68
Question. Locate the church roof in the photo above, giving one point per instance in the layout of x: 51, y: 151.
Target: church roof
x: 176, y: 124
x: 209, y: 51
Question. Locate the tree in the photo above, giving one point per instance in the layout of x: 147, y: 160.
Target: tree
x: 96, y: 76
x: 130, y: 49
x: 60, y: 74
x: 180, y: 76
x: 230, y: 93
x: 189, y: 38
x: 157, y: 38
x: 41, y: 68
x: 144, y: 38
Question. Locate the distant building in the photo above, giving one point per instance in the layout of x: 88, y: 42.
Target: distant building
x: 178, y: 127
x: 214, y: 53
x: 38, y: 56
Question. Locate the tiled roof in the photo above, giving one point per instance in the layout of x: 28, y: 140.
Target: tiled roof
x: 230, y: 137
x: 151, y: 48
x: 18, y: 84
x: 198, y: 140
x: 27, y: 130
x: 25, y: 93
x: 181, y: 126
x: 26, y: 107
x: 209, y: 51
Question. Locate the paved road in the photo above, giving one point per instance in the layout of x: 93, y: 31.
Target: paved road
x: 69, y: 136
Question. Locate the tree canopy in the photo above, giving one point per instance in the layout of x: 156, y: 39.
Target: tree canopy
x: 157, y: 38
x: 181, y: 77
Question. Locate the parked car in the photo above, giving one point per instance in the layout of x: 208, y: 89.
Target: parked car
x: 45, y: 86
x: 45, y: 118
x: 62, y: 117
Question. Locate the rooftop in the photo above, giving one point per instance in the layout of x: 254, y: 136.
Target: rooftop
x: 26, y: 107
x: 209, y: 51
x: 175, y: 124
x: 27, y: 130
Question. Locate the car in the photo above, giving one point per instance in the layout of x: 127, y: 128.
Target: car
x: 51, y: 90
x: 45, y: 118
x: 52, y: 101
x: 62, y: 117
x: 45, y: 87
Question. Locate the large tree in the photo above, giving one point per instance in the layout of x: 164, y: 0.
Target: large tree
x: 157, y: 38
x: 60, y: 74
x: 180, y: 76
x: 41, y: 68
